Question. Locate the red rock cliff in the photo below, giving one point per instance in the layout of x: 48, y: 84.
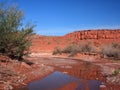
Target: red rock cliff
x: 99, y: 37
x: 94, y: 34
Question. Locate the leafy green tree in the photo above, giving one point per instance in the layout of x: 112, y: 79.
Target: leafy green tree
x: 14, y: 36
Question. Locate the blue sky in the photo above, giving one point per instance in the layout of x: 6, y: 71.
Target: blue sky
x: 58, y: 17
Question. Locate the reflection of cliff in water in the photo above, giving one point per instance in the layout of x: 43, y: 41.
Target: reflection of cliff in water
x: 84, y: 70
x: 88, y: 73
x: 61, y: 81
x: 83, y: 76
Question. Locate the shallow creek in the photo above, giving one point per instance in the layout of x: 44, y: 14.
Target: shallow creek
x: 83, y: 76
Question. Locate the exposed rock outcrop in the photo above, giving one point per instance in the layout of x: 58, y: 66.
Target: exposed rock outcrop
x: 94, y: 34
x: 99, y: 37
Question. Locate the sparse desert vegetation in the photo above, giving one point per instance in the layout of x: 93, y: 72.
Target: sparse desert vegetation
x: 73, y: 49
x: 25, y: 56
x: 111, y: 50
x: 57, y: 51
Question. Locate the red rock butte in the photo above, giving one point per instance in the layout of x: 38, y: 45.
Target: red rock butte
x: 49, y: 43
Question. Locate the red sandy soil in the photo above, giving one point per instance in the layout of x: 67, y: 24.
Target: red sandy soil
x: 45, y: 63
x: 95, y: 69
x: 17, y: 74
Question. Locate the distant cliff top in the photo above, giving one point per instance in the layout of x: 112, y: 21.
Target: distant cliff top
x: 98, y: 37
x: 95, y: 34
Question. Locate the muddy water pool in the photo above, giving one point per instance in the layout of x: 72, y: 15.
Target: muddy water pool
x: 85, y: 76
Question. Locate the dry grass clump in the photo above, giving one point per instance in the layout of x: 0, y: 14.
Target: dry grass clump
x: 57, y: 51
x: 73, y: 49
x: 87, y: 47
x: 111, y: 50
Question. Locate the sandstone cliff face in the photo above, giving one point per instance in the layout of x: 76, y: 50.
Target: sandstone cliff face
x: 98, y: 37
x: 94, y: 34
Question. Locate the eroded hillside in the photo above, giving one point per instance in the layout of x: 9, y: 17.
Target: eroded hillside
x: 99, y: 37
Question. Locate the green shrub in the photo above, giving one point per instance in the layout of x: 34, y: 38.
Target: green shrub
x: 14, y: 37
x: 116, y: 72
